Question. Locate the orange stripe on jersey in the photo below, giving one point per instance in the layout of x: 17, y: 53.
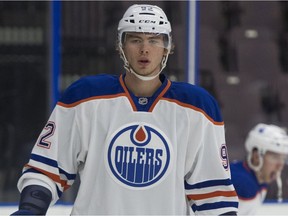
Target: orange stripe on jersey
x: 90, y: 98
x: 160, y: 95
x: 127, y: 93
x: 194, y: 108
x: 212, y: 194
x: 54, y: 177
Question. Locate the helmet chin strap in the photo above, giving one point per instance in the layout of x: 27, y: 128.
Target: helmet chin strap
x: 143, y: 78
x: 279, y: 185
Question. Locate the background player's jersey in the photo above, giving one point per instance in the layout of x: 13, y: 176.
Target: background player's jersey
x: 251, y: 194
x: 164, y: 154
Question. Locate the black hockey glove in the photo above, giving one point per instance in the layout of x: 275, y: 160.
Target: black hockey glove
x: 34, y: 200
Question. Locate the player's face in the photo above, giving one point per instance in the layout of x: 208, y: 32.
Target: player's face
x: 144, y: 52
x: 273, y: 164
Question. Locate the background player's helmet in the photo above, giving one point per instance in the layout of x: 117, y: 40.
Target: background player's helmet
x: 145, y: 19
x: 267, y: 138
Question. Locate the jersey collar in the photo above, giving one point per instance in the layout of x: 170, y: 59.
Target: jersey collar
x: 145, y: 104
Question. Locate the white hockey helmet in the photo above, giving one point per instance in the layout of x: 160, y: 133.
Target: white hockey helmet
x: 144, y: 18
x: 267, y: 138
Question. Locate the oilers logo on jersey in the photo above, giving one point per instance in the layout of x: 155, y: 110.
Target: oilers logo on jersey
x: 139, y: 156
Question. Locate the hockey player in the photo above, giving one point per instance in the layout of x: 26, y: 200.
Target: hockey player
x: 140, y: 143
x: 267, y: 147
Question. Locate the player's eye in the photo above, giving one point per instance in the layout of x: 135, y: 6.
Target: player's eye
x: 154, y: 41
x: 135, y: 41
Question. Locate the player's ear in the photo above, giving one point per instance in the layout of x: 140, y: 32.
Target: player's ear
x: 171, y: 49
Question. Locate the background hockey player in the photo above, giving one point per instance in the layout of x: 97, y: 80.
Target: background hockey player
x: 267, y: 148
x: 140, y: 143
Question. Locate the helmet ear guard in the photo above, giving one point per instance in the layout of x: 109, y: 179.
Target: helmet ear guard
x: 257, y: 167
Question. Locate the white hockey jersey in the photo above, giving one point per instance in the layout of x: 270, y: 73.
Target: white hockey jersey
x: 251, y: 194
x: 164, y: 154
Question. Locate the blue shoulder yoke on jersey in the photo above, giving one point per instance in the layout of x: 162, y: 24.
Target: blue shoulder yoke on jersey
x: 91, y: 86
x: 182, y: 93
x: 195, y: 96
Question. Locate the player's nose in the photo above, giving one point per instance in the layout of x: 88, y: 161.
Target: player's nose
x: 144, y: 48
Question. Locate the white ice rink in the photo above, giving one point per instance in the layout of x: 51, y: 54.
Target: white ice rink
x: 266, y: 209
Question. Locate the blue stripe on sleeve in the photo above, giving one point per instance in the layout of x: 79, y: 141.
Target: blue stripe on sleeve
x: 44, y: 160
x: 210, y: 183
x: 216, y: 205
x: 68, y: 175
x: 52, y: 163
x: 59, y: 192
